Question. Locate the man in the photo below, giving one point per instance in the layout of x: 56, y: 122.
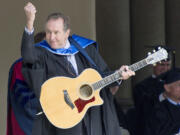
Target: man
x: 149, y: 92
x: 165, y: 118
x: 57, y: 56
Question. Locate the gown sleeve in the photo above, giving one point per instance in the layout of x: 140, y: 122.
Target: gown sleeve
x: 33, y: 68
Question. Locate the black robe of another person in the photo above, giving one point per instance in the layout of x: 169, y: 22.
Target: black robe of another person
x: 146, y: 95
x: 121, y: 115
x: 164, y: 120
x: 40, y: 64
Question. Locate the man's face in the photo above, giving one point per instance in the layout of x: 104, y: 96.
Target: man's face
x: 55, y: 34
x: 173, y: 90
x: 162, y: 67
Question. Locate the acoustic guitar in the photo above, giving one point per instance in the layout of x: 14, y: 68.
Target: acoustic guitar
x: 65, y: 100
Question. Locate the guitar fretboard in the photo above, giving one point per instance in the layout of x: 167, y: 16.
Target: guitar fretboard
x: 118, y: 75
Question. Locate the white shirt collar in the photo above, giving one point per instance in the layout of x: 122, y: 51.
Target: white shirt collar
x: 67, y: 45
x: 173, y: 102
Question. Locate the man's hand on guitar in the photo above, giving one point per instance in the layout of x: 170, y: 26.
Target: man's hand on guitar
x: 126, y: 73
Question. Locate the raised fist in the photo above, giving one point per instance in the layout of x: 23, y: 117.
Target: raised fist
x: 30, y: 11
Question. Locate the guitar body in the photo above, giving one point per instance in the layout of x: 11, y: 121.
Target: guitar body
x: 65, y: 100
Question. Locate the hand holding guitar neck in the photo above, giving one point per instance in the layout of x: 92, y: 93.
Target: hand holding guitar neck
x: 126, y: 72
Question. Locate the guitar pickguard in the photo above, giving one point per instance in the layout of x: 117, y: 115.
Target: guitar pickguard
x: 80, y: 104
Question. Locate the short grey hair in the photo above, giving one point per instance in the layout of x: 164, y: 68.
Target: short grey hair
x: 57, y: 15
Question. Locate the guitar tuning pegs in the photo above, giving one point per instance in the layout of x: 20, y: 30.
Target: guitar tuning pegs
x: 154, y: 51
x: 149, y: 53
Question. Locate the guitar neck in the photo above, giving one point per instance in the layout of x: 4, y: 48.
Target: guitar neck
x: 118, y: 75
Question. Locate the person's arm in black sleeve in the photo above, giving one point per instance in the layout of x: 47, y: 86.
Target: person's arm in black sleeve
x: 32, y: 69
x: 28, y: 50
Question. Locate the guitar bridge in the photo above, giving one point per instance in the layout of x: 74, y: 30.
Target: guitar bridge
x: 67, y: 99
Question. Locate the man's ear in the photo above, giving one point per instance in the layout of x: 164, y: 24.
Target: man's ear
x: 68, y: 32
x: 166, y: 87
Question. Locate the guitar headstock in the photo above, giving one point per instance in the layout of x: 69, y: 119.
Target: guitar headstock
x: 157, y: 56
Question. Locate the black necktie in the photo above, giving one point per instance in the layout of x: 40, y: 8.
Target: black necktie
x: 69, y: 66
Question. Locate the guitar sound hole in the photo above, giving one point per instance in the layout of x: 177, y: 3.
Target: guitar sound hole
x: 86, y: 91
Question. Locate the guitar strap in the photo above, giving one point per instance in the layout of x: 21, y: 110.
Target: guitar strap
x: 83, y: 52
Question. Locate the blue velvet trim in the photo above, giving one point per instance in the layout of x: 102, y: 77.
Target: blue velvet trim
x: 83, y: 42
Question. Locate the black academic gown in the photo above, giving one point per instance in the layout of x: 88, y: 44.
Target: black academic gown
x: 40, y: 65
x: 164, y: 120
x: 146, y: 95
